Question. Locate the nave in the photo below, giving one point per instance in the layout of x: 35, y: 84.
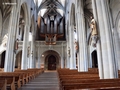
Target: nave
x: 46, y: 81
x: 53, y: 34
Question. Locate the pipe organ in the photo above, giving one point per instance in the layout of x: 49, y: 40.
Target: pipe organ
x: 51, y: 28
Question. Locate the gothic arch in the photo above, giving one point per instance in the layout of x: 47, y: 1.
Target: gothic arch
x: 26, y: 14
x: 51, y: 64
x: 5, y: 26
x: 24, y: 20
x: 117, y: 23
x: 46, y: 54
x: 51, y: 50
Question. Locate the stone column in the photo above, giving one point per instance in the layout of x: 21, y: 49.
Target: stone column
x: 9, y: 58
x: 72, y: 49
x: 39, y: 57
x: 100, y: 62
x: 109, y: 39
x: 117, y: 47
x: 106, y: 39
x: 67, y: 58
x: 62, y: 57
x: 67, y: 48
x: 103, y: 40
x: 83, y: 61
x: 99, y: 55
x: 24, y: 63
x: 32, y: 60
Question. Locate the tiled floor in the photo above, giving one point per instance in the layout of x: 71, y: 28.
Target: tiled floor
x: 46, y: 81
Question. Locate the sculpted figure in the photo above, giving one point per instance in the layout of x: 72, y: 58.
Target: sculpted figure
x: 94, y: 34
x: 76, y: 45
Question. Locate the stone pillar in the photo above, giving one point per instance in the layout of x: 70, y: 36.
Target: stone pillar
x: 83, y: 59
x: 67, y: 48
x: 9, y: 58
x: 67, y: 58
x: 100, y: 62
x: 72, y: 49
x: 109, y: 39
x: 32, y: 59
x: 38, y: 58
x: 62, y: 58
x: 24, y: 63
x: 99, y: 55
x: 106, y: 39
x: 117, y: 47
x: 103, y: 40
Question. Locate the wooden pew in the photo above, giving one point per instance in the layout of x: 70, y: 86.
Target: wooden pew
x: 3, y: 83
x: 10, y: 81
x: 68, y: 72
x: 27, y: 75
x: 91, y: 84
x: 36, y: 71
x: 16, y: 77
x: 32, y: 73
x: 93, y: 70
x: 73, y: 80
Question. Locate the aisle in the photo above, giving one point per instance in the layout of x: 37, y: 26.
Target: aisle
x: 46, y: 81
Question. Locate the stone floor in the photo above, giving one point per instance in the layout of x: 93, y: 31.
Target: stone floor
x: 46, y: 81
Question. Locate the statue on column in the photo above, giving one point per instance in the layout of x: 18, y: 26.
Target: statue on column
x: 16, y: 46
x: 76, y: 46
x: 94, y: 33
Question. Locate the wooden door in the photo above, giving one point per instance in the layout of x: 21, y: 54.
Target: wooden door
x: 52, y: 63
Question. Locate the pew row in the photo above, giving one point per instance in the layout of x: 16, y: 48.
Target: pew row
x: 74, y: 80
x: 3, y: 84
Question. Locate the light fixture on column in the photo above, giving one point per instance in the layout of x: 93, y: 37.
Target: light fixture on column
x: 42, y: 55
x: 32, y: 53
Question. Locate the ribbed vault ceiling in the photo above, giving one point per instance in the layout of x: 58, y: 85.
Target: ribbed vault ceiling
x: 45, y: 6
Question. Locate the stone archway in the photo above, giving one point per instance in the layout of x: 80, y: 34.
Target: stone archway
x: 50, y: 59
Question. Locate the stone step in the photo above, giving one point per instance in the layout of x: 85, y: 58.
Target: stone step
x: 46, y: 81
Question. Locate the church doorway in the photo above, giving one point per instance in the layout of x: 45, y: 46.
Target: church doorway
x: 94, y: 59
x: 50, y: 60
x: 52, y: 63
x: 18, y: 60
x: 2, y: 59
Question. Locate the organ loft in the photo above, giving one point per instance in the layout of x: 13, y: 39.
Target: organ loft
x: 52, y: 25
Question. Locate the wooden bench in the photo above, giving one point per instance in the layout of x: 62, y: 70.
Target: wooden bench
x: 10, y: 81
x: 12, y: 75
x: 3, y: 83
x: 73, y: 80
x: 93, y: 70
x: 32, y: 73
x: 91, y: 84
x: 68, y: 72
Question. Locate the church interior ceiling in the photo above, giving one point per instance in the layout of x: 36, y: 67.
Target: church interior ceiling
x: 51, y: 26
x: 5, y: 8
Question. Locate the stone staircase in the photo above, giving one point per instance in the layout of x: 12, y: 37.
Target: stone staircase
x: 46, y: 81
